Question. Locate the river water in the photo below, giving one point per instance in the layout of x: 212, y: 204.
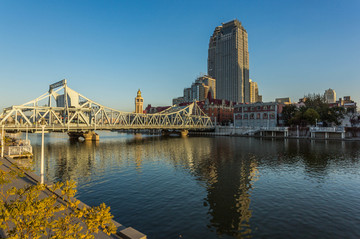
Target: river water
x: 214, y: 187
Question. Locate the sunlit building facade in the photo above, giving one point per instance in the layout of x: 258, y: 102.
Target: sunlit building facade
x: 228, y: 62
x: 330, y: 96
x: 139, y: 102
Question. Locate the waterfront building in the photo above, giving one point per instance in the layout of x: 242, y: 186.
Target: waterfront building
x: 139, y: 102
x: 228, y: 62
x: 155, y: 109
x: 220, y: 112
x: 258, y: 114
x: 330, y: 96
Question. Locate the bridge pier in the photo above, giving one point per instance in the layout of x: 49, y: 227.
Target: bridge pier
x: 184, y: 132
x: 88, y: 136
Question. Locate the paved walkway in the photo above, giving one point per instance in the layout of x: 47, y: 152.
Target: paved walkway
x: 32, y: 179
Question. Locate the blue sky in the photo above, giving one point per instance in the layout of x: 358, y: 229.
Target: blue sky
x: 109, y: 49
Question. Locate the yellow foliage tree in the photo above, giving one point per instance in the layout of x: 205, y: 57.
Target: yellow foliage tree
x: 35, y: 211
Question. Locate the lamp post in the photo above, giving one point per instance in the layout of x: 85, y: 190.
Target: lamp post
x: 2, y: 141
x: 42, y: 155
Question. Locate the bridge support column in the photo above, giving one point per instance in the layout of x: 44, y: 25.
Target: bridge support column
x: 184, y: 132
x: 88, y: 136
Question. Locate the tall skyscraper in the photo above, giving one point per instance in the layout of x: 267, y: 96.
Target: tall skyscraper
x: 228, y: 62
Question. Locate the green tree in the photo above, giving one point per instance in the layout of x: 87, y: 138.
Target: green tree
x: 311, y: 116
x: 316, y: 102
x: 27, y: 213
x: 288, y: 113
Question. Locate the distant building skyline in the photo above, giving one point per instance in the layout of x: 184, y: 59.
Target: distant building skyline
x: 109, y: 49
x: 228, y: 62
x: 330, y: 96
x: 203, y: 87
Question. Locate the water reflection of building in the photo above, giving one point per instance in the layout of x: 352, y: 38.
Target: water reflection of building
x: 230, y: 179
x: 226, y: 168
x: 226, y: 175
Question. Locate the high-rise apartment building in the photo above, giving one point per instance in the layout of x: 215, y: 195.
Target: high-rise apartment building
x: 204, y: 87
x: 188, y: 95
x: 210, y: 85
x: 228, y: 62
x: 330, y: 96
x: 254, y: 92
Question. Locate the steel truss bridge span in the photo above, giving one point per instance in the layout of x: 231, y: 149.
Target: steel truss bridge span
x: 62, y: 109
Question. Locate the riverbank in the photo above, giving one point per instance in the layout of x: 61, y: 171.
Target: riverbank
x: 32, y: 179
x: 312, y: 133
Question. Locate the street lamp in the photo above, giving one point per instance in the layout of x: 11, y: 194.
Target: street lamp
x: 42, y: 154
x: 2, y: 141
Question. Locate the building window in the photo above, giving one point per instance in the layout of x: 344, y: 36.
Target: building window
x: 265, y: 108
x: 251, y: 116
x: 258, y: 108
x: 272, y: 116
x: 258, y: 116
x: 252, y: 108
x: 265, y: 116
x: 245, y: 116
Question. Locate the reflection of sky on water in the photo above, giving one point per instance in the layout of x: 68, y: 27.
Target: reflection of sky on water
x: 206, y: 187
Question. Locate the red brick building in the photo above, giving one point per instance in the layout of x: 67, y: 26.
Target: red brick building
x: 220, y: 111
x: 151, y: 110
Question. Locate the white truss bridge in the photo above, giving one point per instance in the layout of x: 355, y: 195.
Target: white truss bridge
x: 62, y: 109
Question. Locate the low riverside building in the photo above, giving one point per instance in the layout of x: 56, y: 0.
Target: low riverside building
x: 152, y: 110
x: 220, y: 112
x: 258, y: 114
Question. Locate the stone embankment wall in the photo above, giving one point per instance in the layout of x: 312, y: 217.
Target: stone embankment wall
x: 351, y: 133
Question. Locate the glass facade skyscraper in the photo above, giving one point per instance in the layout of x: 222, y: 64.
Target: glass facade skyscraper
x: 228, y: 62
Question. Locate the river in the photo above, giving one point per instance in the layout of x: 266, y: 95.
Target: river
x: 214, y: 187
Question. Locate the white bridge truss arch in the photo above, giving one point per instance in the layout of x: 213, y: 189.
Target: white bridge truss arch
x: 62, y: 109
